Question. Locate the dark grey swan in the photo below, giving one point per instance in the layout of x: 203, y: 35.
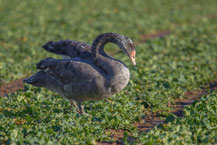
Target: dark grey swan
x: 88, y: 73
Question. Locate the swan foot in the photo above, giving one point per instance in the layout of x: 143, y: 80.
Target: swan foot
x: 88, y: 115
x: 79, y: 108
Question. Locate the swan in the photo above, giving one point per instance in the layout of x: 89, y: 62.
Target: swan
x: 86, y: 72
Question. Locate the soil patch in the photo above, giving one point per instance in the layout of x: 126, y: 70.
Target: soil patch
x: 11, y: 87
x: 158, y: 34
x: 150, y: 121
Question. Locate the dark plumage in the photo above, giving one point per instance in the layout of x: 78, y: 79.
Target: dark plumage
x: 88, y: 73
x: 69, y: 48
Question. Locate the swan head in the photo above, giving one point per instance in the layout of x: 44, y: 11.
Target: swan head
x: 124, y: 43
x: 128, y: 48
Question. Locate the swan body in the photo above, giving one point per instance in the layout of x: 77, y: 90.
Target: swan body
x: 86, y: 72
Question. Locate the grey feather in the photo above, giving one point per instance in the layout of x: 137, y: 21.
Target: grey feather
x: 90, y: 74
x: 69, y: 48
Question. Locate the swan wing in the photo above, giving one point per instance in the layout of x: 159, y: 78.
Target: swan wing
x: 70, y: 48
x: 69, y: 70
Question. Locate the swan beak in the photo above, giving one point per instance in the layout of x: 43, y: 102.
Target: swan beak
x: 133, y: 57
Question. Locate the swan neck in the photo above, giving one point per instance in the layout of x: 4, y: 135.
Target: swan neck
x: 100, y: 41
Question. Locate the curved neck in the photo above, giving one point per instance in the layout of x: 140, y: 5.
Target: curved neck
x: 116, y: 73
x: 107, y: 64
x: 98, y: 44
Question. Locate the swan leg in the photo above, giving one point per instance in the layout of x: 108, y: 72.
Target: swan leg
x: 81, y: 109
x: 74, y: 104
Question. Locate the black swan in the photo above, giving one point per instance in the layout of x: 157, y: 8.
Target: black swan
x: 86, y: 72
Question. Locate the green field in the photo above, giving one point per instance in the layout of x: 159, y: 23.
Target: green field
x: 199, y: 126
x: 166, y: 68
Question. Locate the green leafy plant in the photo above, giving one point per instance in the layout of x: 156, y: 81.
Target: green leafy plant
x: 166, y: 68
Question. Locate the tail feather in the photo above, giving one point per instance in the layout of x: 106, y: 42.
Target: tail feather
x: 36, y: 80
x: 42, y: 79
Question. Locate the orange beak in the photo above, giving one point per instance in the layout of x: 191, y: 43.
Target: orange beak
x: 133, y: 57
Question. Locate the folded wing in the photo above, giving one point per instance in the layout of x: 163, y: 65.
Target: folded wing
x: 69, y: 48
x: 80, y: 80
x: 69, y: 70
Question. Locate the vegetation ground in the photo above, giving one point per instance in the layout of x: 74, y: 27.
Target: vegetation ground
x: 166, y: 68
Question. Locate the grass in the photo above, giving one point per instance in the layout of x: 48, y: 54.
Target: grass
x: 27, y: 25
x: 166, y: 67
x: 197, y: 127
